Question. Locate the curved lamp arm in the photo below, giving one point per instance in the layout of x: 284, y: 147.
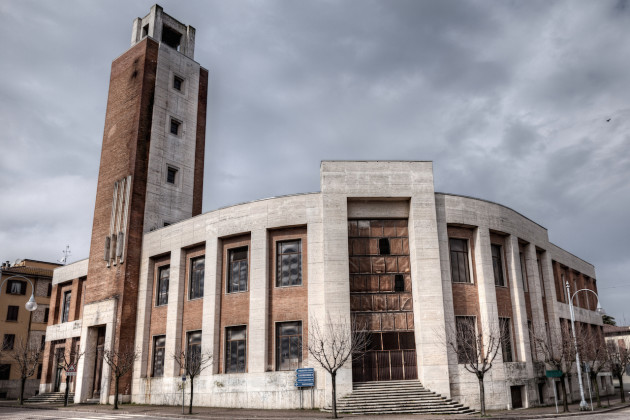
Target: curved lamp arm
x: 31, y: 305
x: 599, y: 308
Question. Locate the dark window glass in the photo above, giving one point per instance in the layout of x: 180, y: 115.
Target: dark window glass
x: 289, y: 263
x: 12, y: 313
x: 8, y: 342
x: 66, y: 306
x: 43, y: 342
x: 466, y: 332
x: 162, y: 285
x: 16, y: 287
x: 177, y: 83
x: 46, y: 314
x: 390, y: 341
x: 383, y: 246
x: 5, y: 372
x: 506, y: 339
x: 237, y: 270
x: 235, y: 349
x: 39, y: 371
x: 524, y: 272
x: 197, y: 267
x: 497, y: 265
x: 540, y: 275
x: 399, y: 283
x: 49, y: 293
x: 459, y: 260
x: 175, y: 126
x: 407, y: 341
x: 288, y: 345
x: 158, y: 355
x: 193, y: 348
x: 171, y: 173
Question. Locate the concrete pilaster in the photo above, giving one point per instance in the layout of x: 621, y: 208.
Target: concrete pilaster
x: 258, y: 302
x: 174, y: 312
x: 211, y: 299
x: 519, y: 310
x: 535, y: 292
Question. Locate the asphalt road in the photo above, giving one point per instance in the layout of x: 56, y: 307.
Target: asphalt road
x: 29, y: 414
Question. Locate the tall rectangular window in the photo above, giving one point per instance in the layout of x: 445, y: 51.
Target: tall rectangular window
x: 506, y: 339
x: 5, y: 371
x: 540, y: 276
x: 16, y: 287
x: 42, y: 344
x: 162, y: 285
x: 193, y: 347
x: 523, y: 272
x: 459, y: 260
x: 235, y: 349
x: 237, y: 270
x: 197, y: 267
x: 497, y: 265
x: 12, y: 313
x: 466, y: 332
x: 171, y: 174
x: 159, y: 343
x: 8, y: 342
x: 46, y: 314
x: 289, y: 263
x: 65, y: 311
x: 288, y: 345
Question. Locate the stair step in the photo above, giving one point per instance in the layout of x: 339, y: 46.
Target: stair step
x: 397, y: 397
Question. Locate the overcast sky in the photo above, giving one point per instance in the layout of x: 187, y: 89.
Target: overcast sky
x: 522, y: 103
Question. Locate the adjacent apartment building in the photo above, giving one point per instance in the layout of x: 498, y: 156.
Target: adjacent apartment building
x: 20, y: 328
x: 246, y: 282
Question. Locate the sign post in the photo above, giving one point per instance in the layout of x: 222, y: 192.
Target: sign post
x: 305, y: 378
x: 183, y: 388
x: 72, y: 370
x: 554, y: 374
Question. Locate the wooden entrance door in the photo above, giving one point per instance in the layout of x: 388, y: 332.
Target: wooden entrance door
x: 98, y: 363
x: 517, y: 399
x: 389, y: 360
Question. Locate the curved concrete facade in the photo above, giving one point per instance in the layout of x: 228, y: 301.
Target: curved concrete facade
x: 353, y: 191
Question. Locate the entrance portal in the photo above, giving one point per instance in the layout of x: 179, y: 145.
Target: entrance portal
x: 98, y: 363
x: 380, y: 299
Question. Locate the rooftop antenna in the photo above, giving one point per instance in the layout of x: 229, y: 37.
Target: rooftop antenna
x: 66, y: 254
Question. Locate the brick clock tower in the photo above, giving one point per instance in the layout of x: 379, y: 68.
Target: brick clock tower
x: 151, y: 175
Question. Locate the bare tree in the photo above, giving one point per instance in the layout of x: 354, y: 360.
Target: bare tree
x: 121, y: 362
x: 477, y: 348
x: 69, y: 361
x: 618, y: 359
x: 192, y: 362
x: 594, y: 354
x: 559, y: 356
x: 27, y: 356
x: 333, y: 343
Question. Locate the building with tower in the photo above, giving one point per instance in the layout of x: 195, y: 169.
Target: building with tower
x: 244, y: 283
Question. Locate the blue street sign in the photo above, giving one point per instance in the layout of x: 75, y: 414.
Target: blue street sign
x: 305, y: 377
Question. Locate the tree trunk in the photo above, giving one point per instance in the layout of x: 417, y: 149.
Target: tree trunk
x: 333, y: 377
x: 116, y: 391
x: 65, y: 395
x: 596, y: 386
x: 22, y: 384
x: 482, y: 395
x: 565, y: 402
x: 621, y: 393
x: 191, y: 394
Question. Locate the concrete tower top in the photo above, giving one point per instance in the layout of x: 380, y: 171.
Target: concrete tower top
x: 166, y: 29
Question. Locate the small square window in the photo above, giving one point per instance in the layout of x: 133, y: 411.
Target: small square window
x: 175, y: 125
x: 171, y: 174
x: 12, y: 313
x: 178, y: 83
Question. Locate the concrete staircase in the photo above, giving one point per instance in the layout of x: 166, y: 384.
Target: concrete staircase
x: 51, y: 398
x: 397, y: 397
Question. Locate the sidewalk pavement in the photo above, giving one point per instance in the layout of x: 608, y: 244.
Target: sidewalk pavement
x: 235, y: 413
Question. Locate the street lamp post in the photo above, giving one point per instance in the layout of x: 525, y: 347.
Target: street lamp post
x: 31, y: 305
x: 583, y: 403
